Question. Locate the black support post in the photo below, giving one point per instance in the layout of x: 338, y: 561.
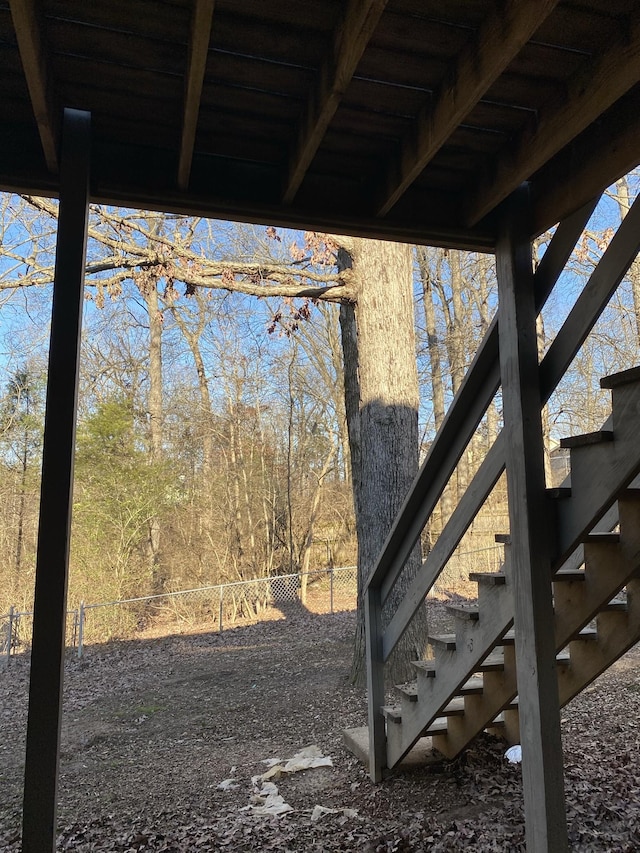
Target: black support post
x: 531, y: 545
x: 47, y: 655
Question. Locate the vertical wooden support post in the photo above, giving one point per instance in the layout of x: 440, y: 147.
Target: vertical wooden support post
x: 47, y: 654
x: 542, y: 765
x: 375, y: 682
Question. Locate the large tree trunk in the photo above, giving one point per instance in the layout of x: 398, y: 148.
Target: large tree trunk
x: 383, y: 430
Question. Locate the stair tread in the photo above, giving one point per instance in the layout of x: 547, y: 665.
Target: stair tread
x: 473, y: 685
x: 493, y: 662
x: 616, y: 604
x: 409, y: 689
x: 392, y: 713
x: 492, y: 578
x: 602, y: 536
x: 445, y: 641
x: 428, y: 667
x: 559, y: 492
x: 586, y: 634
x: 624, y: 377
x: 455, y: 708
x: 464, y: 611
x: 569, y: 575
x: 587, y: 438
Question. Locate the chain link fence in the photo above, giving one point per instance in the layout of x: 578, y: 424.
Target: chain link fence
x: 221, y: 606
x: 224, y: 605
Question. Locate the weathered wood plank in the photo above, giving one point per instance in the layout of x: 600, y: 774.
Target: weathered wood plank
x: 34, y: 61
x: 375, y: 684
x: 498, y: 40
x: 349, y: 44
x: 588, y: 93
x: 530, y: 553
x: 581, y: 170
x: 197, y: 63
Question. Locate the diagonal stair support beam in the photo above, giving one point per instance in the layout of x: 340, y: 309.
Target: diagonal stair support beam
x: 583, y: 316
x: 465, y: 413
x: 470, y: 404
x: 542, y: 766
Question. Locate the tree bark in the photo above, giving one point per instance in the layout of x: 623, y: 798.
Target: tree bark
x: 384, y: 429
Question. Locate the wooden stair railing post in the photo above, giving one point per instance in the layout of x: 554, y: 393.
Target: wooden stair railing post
x: 542, y: 766
x: 375, y: 682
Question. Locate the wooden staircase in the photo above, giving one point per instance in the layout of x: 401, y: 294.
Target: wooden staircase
x: 471, y: 684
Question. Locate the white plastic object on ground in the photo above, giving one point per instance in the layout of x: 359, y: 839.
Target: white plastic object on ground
x: 514, y: 754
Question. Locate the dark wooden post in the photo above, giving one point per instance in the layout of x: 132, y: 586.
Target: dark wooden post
x: 47, y: 654
x: 375, y: 682
x: 542, y: 766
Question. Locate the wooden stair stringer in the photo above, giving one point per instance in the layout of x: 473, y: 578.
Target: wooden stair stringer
x: 617, y: 633
x: 474, y: 640
x: 601, y: 470
x: 480, y: 710
x: 577, y: 603
x: 599, y: 473
x: 609, y: 567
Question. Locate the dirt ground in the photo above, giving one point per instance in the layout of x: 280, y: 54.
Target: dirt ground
x: 153, y: 726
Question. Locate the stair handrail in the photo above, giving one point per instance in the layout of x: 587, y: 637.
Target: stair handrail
x: 469, y: 405
x: 431, y: 481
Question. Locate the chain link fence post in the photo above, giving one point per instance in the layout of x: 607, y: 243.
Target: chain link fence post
x: 220, y: 611
x: 9, y: 635
x: 331, y: 588
x: 81, y: 616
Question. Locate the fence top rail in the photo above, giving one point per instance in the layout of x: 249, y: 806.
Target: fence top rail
x: 220, y: 586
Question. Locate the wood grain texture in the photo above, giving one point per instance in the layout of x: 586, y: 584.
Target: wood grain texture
x: 530, y: 549
x: 196, y: 65
x: 479, y: 64
x: 589, y: 92
x: 34, y: 61
x: 350, y: 41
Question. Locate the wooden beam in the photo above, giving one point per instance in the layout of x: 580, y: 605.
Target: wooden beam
x: 498, y: 41
x: 197, y: 63
x: 606, y: 151
x: 52, y: 559
x: 530, y: 552
x: 591, y: 91
x: 349, y: 43
x: 34, y: 62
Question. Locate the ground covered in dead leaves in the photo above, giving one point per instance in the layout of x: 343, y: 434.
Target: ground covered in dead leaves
x: 152, y: 727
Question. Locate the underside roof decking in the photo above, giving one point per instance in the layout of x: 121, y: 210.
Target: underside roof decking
x: 409, y: 119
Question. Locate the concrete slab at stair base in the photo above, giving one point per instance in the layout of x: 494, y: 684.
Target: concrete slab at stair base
x: 421, y: 755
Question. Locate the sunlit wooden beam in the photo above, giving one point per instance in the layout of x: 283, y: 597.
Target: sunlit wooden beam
x: 197, y: 63
x: 588, y: 93
x: 349, y: 43
x: 498, y: 41
x: 580, y: 171
x: 35, y: 65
